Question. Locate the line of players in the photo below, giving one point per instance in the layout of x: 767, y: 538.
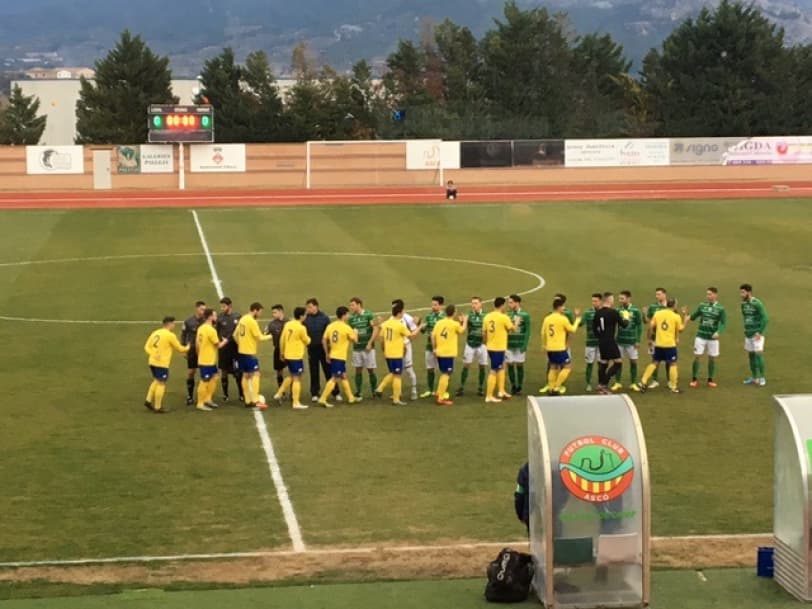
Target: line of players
x: 231, y: 342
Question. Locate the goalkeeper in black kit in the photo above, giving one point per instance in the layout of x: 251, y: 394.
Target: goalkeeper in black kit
x: 605, y: 327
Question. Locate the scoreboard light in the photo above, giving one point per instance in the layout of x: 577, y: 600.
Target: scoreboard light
x: 181, y: 124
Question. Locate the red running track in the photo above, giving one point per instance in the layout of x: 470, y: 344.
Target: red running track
x: 415, y: 196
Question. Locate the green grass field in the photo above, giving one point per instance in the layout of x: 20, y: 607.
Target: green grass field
x: 88, y: 472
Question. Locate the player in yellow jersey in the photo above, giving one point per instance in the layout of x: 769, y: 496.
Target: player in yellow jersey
x: 495, y: 329
x: 337, y: 339
x: 293, y: 343
x: 555, y: 333
x: 207, y: 344
x: 159, y: 347
x: 666, y: 325
x: 445, y: 344
x: 393, y: 335
x: 248, y: 336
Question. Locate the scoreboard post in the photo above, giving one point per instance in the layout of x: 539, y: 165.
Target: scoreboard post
x: 170, y: 124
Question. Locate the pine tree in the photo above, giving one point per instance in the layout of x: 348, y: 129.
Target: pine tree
x: 19, y: 123
x: 113, y: 108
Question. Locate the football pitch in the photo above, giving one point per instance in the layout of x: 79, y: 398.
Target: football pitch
x: 88, y: 473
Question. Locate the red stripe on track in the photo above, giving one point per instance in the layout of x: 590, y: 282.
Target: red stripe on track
x: 379, y: 196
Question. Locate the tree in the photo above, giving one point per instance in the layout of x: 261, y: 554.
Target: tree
x: 459, y: 53
x: 19, y: 123
x: 113, y: 108
x: 725, y: 73
x: 259, y: 87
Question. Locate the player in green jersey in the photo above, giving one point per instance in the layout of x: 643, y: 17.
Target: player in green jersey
x: 474, y: 351
x: 755, y: 323
x: 363, y: 350
x: 435, y: 315
x: 712, y: 322
x: 516, y: 353
x: 591, y: 350
x: 628, y: 338
x: 660, y: 302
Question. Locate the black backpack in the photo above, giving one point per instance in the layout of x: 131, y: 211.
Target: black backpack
x: 509, y: 577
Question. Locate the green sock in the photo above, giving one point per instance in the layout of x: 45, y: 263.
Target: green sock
x: 711, y: 368
x: 359, y: 382
x: 589, y: 368
x: 753, y: 365
x: 695, y: 370
x: 373, y: 380
x: 482, y: 374
x: 464, y: 377
x: 512, y: 375
x: 519, y: 376
x: 430, y: 378
x: 633, y: 368
x: 760, y: 366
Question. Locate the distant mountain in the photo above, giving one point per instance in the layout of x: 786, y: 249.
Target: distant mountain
x: 340, y: 31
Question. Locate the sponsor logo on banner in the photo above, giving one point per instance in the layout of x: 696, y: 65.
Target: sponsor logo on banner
x: 596, y: 469
x: 129, y: 160
x: 616, y: 153
x: 218, y: 158
x: 157, y: 158
x: 41, y: 160
x: 770, y: 151
x: 423, y: 154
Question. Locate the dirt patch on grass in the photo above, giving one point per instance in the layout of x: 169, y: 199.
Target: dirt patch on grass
x: 394, y: 562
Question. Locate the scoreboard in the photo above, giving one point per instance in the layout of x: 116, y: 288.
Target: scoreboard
x: 180, y: 124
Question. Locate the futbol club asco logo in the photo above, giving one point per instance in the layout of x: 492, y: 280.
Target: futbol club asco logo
x: 596, y: 469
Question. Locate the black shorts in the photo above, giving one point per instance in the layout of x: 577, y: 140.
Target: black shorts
x: 608, y: 351
x: 191, y: 359
x: 227, y: 359
x: 278, y: 364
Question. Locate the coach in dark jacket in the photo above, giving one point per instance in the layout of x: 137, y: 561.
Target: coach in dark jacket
x: 316, y: 323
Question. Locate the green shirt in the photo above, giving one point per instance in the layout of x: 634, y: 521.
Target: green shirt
x: 474, y: 339
x: 431, y: 320
x: 569, y: 315
x: 630, y: 335
x: 520, y: 338
x: 589, y: 315
x: 362, y: 322
x: 755, y: 317
x: 712, y: 320
x: 652, y: 309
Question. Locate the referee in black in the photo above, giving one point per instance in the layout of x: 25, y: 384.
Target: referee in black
x: 188, y: 336
x: 605, y: 326
x: 316, y: 323
x: 227, y: 322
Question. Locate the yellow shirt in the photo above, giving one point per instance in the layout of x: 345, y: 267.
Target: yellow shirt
x: 160, y: 345
x: 555, y: 330
x: 294, y: 340
x: 445, y: 335
x: 497, y: 326
x: 667, y: 325
x: 340, y: 335
x: 207, y: 342
x: 393, y: 333
x: 248, y: 335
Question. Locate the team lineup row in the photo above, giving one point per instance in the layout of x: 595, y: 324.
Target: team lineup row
x: 227, y: 345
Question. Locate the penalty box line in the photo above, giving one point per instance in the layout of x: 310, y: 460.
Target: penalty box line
x: 294, y: 531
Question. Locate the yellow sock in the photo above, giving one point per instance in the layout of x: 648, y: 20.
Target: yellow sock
x: 384, y: 383
x: 212, y: 389
x: 552, y: 375
x: 255, y: 386
x: 285, y: 386
x: 151, y: 391
x: 345, y: 385
x: 160, y: 391
x: 442, y: 387
x: 297, y: 389
x: 500, y: 379
x: 650, y: 370
x: 328, y: 389
x: 202, y: 392
x: 246, y: 388
x: 397, y: 385
x: 673, y: 375
x: 491, y: 387
x: 562, y: 377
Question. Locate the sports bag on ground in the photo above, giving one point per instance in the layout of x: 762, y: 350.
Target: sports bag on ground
x: 509, y: 577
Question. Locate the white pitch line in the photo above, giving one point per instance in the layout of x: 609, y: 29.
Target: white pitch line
x: 273, y: 464
x: 323, y: 552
